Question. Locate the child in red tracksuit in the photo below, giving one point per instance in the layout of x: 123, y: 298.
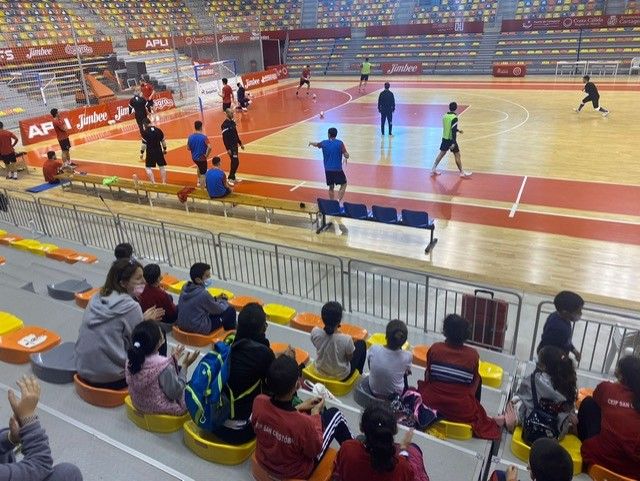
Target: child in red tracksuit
x: 292, y: 440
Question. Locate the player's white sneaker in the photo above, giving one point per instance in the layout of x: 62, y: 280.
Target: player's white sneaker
x: 244, y: 109
x: 605, y: 114
x: 465, y: 175
x: 576, y: 111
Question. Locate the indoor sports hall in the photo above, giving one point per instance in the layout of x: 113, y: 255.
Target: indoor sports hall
x: 545, y: 200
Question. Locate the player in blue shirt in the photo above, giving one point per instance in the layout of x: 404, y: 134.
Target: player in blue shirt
x: 333, y: 151
x: 198, y: 145
x: 217, y: 184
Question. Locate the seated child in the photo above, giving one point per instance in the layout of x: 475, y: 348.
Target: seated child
x: 154, y: 295
x: 377, y: 457
x: 555, y: 385
x: 558, y: 328
x: 452, y: 384
x: 292, y: 440
x: 390, y: 365
x: 609, y: 422
x: 548, y: 461
x: 156, y: 383
x: 198, y: 311
x: 337, y: 355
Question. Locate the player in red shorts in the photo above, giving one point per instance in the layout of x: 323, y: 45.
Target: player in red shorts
x: 227, y: 95
x: 149, y: 94
x: 305, y: 78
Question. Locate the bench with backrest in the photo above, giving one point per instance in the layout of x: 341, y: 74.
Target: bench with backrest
x: 385, y: 215
x: 269, y: 205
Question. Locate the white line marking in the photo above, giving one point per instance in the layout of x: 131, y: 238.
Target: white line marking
x: 297, y: 186
x: 116, y: 444
x: 514, y: 207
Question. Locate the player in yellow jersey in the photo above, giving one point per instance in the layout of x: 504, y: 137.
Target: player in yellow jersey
x: 450, y: 133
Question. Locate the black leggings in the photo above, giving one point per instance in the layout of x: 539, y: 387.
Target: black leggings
x: 589, y: 419
x: 358, y: 358
x: 235, y: 162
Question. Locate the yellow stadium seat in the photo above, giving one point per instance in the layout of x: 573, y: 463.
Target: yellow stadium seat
x: 381, y: 339
x: 570, y: 442
x: 450, y: 430
x: 9, y: 323
x: 217, y: 292
x: 491, y: 374
x: 177, y: 287
x: 279, y: 314
x: 25, y: 244
x: 157, y: 423
x: 208, y: 447
x: 337, y: 387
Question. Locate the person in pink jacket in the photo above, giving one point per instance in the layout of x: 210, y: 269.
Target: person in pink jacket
x: 156, y: 383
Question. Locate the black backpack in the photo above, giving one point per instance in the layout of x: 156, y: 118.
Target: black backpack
x: 539, y: 423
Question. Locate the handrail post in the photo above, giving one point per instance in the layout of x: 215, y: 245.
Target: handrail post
x: 166, y: 244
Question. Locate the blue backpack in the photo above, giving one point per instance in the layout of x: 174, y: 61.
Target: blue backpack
x: 209, y: 400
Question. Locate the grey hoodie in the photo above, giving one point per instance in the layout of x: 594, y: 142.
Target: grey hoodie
x: 195, y: 307
x: 36, y: 464
x: 105, y: 337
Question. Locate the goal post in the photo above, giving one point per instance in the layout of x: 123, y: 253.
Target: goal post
x: 208, y: 81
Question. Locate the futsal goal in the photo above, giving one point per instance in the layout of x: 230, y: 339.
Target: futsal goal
x: 208, y: 82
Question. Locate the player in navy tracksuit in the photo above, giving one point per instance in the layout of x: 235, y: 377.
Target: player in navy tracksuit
x: 593, y: 96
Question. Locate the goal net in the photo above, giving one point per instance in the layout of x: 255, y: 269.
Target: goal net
x: 208, y: 82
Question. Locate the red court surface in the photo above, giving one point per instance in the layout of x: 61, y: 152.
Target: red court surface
x: 567, y: 207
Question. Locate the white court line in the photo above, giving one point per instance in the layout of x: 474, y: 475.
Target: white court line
x: 297, y: 186
x: 116, y: 444
x: 514, y: 207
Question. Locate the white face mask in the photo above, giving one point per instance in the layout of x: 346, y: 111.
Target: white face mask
x: 137, y: 290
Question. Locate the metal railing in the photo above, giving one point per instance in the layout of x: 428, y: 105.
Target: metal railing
x: 423, y: 300
x: 420, y: 299
x: 602, y: 336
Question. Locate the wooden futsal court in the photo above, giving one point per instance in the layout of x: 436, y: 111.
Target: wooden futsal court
x: 554, y: 200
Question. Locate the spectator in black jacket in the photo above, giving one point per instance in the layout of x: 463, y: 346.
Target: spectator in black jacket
x: 243, y: 100
x: 231, y: 141
x: 251, y: 357
x: 386, y: 107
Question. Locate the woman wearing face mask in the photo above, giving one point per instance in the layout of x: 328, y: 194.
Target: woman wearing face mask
x: 109, y: 319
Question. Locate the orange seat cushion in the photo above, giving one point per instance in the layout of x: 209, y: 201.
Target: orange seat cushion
x: 9, y: 239
x: 323, y: 471
x: 239, y: 302
x: 168, y: 280
x: 199, y: 340
x: 420, y: 355
x: 107, y: 398
x: 583, y: 392
x: 84, y: 257
x: 357, y: 333
x: 82, y: 298
x: 302, y: 356
x: 17, y: 346
x: 306, y: 321
x: 63, y: 255
x: 2, y: 261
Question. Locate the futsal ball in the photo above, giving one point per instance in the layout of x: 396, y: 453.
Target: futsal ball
x: 314, y: 96
x: 111, y: 122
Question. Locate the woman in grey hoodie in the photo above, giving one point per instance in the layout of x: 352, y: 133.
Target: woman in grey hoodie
x: 556, y: 381
x: 25, y: 430
x: 109, y: 319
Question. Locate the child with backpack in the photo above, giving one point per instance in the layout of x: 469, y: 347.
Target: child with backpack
x: 547, y: 396
x: 390, y: 365
x: 156, y: 383
x: 338, y: 356
x: 292, y: 440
